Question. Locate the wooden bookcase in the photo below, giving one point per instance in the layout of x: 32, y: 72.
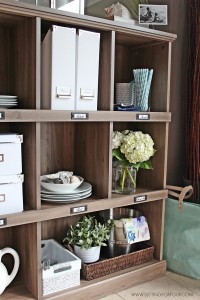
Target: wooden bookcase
x: 53, y: 141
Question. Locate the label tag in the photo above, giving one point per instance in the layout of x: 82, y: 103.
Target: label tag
x: 3, y: 222
x: 142, y: 116
x: 79, y: 116
x: 79, y: 209
x: 63, y: 92
x: 140, y: 198
x: 2, y: 115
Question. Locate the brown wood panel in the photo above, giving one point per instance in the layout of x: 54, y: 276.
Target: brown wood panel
x: 25, y: 62
x: 42, y: 116
x: 26, y: 240
x: 51, y: 211
x: 123, y: 68
x: 92, y: 155
x: 4, y: 60
x: 106, y: 68
x: 57, y: 147
x: 154, y: 213
x: 155, y: 57
x: 57, y: 228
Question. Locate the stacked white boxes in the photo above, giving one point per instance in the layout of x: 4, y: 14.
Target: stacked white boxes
x: 70, y: 69
x: 11, y: 177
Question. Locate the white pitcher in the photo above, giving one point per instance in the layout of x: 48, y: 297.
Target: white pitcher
x: 6, y: 279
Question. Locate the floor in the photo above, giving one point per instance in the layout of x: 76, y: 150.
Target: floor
x: 172, y: 286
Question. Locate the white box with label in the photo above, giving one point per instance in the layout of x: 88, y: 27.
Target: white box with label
x: 10, y: 153
x: 11, y: 195
x: 58, y: 71
x: 70, y: 69
x: 87, y: 70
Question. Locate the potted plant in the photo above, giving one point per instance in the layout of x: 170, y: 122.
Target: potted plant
x: 87, y: 236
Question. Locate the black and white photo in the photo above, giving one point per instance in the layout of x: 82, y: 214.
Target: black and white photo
x: 153, y: 14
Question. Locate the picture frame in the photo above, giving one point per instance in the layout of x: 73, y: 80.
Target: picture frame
x: 153, y: 14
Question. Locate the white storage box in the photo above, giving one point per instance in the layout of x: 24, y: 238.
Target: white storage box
x: 10, y: 154
x: 11, y: 196
x: 60, y: 268
x: 70, y: 69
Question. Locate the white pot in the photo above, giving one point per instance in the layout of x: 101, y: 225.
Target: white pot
x: 87, y: 255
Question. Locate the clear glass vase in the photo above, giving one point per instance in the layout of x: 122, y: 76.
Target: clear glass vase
x: 123, y: 178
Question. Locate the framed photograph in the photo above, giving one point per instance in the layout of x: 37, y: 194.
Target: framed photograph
x: 153, y: 14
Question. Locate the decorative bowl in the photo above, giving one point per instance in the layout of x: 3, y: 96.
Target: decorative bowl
x: 60, y: 188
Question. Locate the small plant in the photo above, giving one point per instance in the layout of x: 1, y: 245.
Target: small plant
x: 88, y: 233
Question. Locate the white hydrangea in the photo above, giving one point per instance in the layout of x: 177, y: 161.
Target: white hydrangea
x: 117, y: 139
x: 137, y: 146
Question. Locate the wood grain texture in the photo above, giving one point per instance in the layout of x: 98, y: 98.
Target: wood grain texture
x: 106, y: 70
x: 57, y: 147
x: 91, y: 158
x: 42, y: 116
x: 154, y: 213
x: 51, y: 211
x: 25, y: 63
x: 100, y: 287
x: 26, y: 239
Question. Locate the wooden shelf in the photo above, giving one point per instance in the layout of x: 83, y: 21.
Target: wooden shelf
x: 91, y: 204
x: 97, y: 288
x: 20, y: 115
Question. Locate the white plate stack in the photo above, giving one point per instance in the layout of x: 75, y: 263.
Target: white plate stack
x: 82, y: 192
x: 7, y: 101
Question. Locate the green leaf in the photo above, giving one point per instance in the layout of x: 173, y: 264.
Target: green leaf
x: 146, y: 165
x: 117, y: 153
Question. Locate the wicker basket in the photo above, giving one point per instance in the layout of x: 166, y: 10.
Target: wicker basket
x: 106, y: 266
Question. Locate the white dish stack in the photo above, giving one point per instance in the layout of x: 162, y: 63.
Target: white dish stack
x: 81, y: 192
x: 11, y: 177
x: 7, y: 101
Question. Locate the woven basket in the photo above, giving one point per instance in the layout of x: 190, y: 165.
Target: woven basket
x: 107, y: 266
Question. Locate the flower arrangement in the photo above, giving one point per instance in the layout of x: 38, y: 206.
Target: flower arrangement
x: 132, y: 148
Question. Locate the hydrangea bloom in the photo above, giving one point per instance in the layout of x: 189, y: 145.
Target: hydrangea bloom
x: 137, y: 146
x: 133, y: 147
x: 117, y: 139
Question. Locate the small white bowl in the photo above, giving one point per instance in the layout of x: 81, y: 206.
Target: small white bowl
x: 60, y: 188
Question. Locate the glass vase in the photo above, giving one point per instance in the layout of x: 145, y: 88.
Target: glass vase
x: 124, y: 179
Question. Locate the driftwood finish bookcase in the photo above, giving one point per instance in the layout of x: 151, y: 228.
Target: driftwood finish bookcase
x: 54, y: 141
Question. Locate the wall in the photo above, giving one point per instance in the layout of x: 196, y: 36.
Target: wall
x: 177, y: 20
x: 177, y: 13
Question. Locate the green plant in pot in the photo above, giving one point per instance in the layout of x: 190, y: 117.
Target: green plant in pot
x: 87, y: 236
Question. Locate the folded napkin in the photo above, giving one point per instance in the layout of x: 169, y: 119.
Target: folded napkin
x: 136, y: 229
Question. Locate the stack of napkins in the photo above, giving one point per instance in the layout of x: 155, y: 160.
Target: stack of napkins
x: 136, y: 229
